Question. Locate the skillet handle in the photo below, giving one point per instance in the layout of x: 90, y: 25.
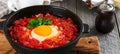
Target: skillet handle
x: 86, y: 28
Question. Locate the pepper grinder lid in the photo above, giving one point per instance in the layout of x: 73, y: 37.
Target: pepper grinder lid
x: 107, y: 6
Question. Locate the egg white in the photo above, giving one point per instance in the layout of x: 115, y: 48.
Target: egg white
x: 54, y: 33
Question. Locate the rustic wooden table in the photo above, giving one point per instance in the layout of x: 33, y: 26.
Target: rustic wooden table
x: 109, y: 43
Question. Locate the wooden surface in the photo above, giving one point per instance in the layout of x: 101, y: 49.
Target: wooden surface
x: 118, y: 19
x: 5, y: 47
x: 88, y: 44
x: 109, y: 43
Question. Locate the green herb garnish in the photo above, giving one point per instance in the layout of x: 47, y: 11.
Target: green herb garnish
x: 29, y: 26
x: 39, y: 21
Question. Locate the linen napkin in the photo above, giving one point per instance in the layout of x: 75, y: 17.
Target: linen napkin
x: 4, y: 10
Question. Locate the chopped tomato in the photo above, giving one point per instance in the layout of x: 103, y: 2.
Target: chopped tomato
x: 20, y: 33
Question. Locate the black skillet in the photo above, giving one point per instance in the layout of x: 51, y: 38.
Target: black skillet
x: 54, y: 10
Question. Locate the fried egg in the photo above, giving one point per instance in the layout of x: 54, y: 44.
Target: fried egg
x: 44, y: 31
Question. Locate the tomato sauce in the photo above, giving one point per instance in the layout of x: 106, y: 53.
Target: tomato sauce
x: 22, y: 35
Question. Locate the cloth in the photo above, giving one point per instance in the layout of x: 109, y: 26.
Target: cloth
x: 4, y: 10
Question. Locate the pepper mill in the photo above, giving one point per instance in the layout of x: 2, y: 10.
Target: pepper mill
x: 105, y: 20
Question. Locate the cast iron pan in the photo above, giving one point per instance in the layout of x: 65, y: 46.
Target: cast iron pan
x: 33, y: 10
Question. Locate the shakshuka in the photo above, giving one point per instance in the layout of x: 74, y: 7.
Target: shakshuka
x: 43, y: 31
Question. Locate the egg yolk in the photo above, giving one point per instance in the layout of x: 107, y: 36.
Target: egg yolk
x: 43, y: 30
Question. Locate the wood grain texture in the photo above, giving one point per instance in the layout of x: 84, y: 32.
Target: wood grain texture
x: 69, y: 4
x: 109, y: 43
x: 88, y: 44
x: 5, y: 47
x: 118, y: 18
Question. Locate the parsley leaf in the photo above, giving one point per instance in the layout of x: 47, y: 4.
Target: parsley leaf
x: 39, y: 21
x: 44, y: 22
x: 29, y: 26
x: 50, y: 22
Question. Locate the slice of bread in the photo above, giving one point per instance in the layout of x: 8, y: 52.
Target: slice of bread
x: 117, y: 3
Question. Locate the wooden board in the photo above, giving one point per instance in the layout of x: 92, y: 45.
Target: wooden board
x: 88, y: 44
x: 5, y: 47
